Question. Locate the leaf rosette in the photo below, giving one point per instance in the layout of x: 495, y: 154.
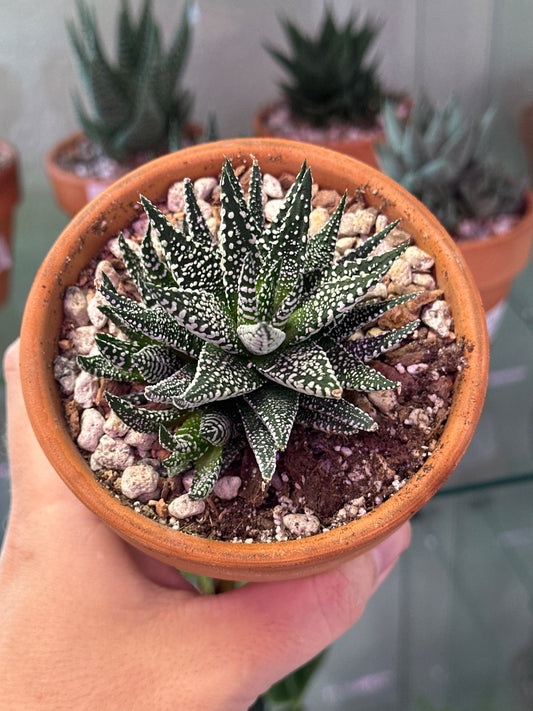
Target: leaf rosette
x: 235, y: 337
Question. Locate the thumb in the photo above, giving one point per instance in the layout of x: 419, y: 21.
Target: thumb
x: 282, y: 625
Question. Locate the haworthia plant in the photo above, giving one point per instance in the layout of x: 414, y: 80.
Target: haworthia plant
x: 330, y: 76
x: 444, y: 159
x: 135, y: 102
x: 237, y: 338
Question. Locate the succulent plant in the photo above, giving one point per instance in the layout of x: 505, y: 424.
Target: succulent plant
x: 444, y: 160
x: 330, y: 76
x: 137, y: 102
x: 236, y: 338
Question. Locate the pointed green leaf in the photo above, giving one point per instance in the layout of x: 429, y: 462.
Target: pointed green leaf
x: 255, y: 196
x: 100, y: 367
x: 247, y: 308
x: 170, y: 389
x: 276, y: 407
x: 238, y: 232
x: 192, y: 262
x: 363, y: 314
x: 303, y: 367
x: 260, y: 441
x: 202, y: 314
x: 140, y: 419
x: 356, y: 375
x: 321, y: 247
x: 156, y: 362
x: 371, y: 347
x: 368, y: 246
x: 207, y: 470
x: 334, y: 416
x: 220, y: 376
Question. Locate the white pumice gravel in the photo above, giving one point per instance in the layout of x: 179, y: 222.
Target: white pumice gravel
x: 301, y: 525
x: 75, y: 306
x: 91, y: 429
x: 83, y: 339
x: 111, y: 454
x: 85, y: 389
x: 114, y: 427
x: 183, y: 507
x: 438, y: 317
x: 97, y: 318
x: 65, y: 372
x: 139, y: 482
x: 227, y: 487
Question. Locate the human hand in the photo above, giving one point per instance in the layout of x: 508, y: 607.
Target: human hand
x: 89, y: 622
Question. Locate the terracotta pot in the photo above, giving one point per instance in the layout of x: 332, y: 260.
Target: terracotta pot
x: 71, y: 191
x: 361, y: 148
x: 113, y: 210
x: 496, y: 262
x: 9, y: 197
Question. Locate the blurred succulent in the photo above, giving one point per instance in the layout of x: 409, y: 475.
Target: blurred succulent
x: 137, y: 103
x: 444, y: 160
x: 330, y: 76
x: 239, y: 337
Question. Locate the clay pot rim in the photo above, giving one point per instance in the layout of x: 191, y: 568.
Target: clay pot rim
x: 238, y: 560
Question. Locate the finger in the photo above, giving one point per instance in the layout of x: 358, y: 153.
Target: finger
x: 34, y: 481
x: 296, y: 619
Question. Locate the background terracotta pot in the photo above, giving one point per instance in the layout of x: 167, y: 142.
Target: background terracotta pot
x: 9, y: 197
x: 496, y: 262
x: 71, y: 191
x: 362, y: 148
x: 111, y: 211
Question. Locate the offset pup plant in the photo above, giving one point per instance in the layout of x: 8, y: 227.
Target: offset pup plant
x: 245, y: 336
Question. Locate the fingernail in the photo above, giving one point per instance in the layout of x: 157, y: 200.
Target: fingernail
x: 388, y: 551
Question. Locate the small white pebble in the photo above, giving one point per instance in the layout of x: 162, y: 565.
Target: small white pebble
x: 272, y: 186
x: 227, y: 487
x: 272, y: 208
x: 183, y: 507
x: 141, y: 440
x: 97, y: 318
x: 85, y: 389
x: 114, y: 427
x: 139, y: 482
x: 91, y: 429
x: 111, y: 454
x: 176, y: 197
x: 75, y: 306
x: 439, y: 318
x: 203, y: 187
x: 301, y: 524
x: 83, y: 339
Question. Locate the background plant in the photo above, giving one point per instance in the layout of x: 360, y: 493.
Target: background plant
x: 445, y: 160
x: 137, y: 102
x: 330, y: 75
x: 240, y: 337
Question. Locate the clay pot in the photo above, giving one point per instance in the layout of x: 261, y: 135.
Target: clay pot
x: 113, y: 210
x: 9, y: 197
x: 71, y: 191
x: 495, y: 262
